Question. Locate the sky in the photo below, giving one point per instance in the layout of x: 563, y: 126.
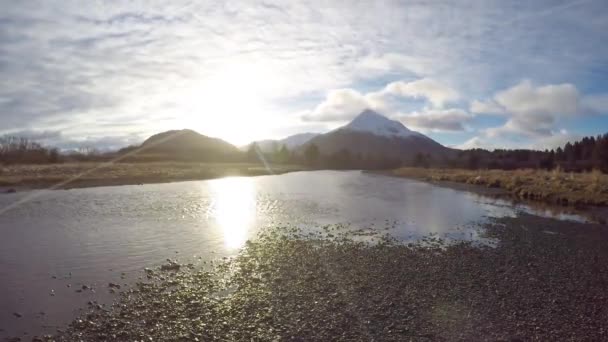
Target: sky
x: 479, y: 73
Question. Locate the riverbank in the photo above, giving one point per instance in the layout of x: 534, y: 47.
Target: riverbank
x: 544, y: 280
x: 554, y: 187
x: 88, y: 174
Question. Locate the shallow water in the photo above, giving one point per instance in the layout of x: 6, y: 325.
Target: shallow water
x: 90, y: 236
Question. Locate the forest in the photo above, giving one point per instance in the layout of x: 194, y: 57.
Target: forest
x: 583, y: 155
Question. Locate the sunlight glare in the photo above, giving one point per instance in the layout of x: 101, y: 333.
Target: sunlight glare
x: 234, y: 209
x: 230, y: 102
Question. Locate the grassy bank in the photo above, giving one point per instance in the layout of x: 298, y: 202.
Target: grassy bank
x: 72, y: 175
x: 548, y: 186
x: 545, y: 280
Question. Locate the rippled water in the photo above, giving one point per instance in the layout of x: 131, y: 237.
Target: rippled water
x: 63, y: 238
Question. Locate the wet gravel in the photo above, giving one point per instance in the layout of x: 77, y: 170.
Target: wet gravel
x: 543, y: 280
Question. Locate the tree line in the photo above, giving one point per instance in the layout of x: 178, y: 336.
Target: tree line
x: 22, y: 150
x: 583, y: 155
x: 19, y: 150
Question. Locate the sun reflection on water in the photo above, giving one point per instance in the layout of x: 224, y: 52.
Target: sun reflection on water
x: 234, y: 208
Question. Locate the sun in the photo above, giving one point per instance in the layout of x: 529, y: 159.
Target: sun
x: 229, y: 103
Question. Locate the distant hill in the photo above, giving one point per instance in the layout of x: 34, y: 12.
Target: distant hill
x: 291, y: 142
x: 372, y: 134
x: 369, y: 140
x: 187, y: 145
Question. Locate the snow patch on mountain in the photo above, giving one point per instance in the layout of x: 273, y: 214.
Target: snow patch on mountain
x: 372, y: 122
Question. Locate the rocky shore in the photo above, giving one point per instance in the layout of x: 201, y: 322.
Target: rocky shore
x: 543, y: 280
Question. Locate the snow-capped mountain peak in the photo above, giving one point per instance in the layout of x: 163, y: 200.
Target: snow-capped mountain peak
x: 372, y: 122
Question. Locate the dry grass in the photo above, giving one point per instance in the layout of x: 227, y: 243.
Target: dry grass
x: 554, y: 186
x: 95, y: 174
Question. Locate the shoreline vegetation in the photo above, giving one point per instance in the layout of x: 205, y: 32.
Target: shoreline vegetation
x: 92, y: 174
x: 553, y: 187
x: 543, y: 280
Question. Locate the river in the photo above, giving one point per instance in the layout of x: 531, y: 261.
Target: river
x: 54, y: 242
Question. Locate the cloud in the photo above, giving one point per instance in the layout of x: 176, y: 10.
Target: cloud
x: 38, y: 136
x: 66, y: 66
x: 435, y: 92
x: 558, y: 139
x: 531, y: 110
x: 486, y: 107
x: 449, y: 120
x: 344, y: 104
x: 339, y: 105
x: 554, y: 141
x: 61, y: 141
x: 527, y: 99
x: 475, y: 142
x: 395, y: 63
x: 102, y: 143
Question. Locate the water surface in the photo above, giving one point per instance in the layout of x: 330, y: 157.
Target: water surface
x: 63, y: 238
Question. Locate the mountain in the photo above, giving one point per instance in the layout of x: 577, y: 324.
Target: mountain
x: 291, y: 142
x: 187, y: 144
x: 373, y: 135
x: 296, y: 140
x: 371, y: 122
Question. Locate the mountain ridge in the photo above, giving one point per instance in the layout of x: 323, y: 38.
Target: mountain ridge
x: 373, y: 134
x: 373, y: 122
x: 291, y: 142
x: 187, y: 144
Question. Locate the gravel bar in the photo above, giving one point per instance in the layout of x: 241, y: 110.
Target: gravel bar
x: 544, y: 280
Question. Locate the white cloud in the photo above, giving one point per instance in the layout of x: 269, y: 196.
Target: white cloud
x: 65, y: 142
x: 344, y: 104
x: 558, y: 139
x: 38, y: 136
x: 531, y: 110
x: 486, y: 107
x: 523, y: 126
x: 66, y: 65
x: 339, y: 105
x: 435, y: 92
x: 476, y: 142
x: 396, y: 63
x: 525, y: 99
x: 448, y: 120
x: 554, y: 141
